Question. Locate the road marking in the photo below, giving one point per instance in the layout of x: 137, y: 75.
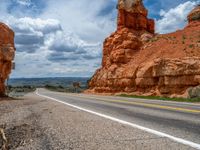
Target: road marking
x: 158, y: 133
x: 143, y: 104
x: 166, y: 101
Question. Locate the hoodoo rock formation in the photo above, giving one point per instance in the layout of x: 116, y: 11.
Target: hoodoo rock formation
x: 132, y: 14
x: 7, y: 51
x: 137, y: 61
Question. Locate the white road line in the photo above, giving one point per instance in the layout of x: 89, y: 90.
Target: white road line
x: 158, y: 133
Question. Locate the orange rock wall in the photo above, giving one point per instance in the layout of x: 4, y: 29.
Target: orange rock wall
x: 138, y: 62
x: 194, y: 14
x: 7, y: 50
x: 135, y: 21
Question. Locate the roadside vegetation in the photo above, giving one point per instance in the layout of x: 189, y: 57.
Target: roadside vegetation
x: 70, y: 89
x: 18, y: 91
x: 163, y: 98
x: 59, y: 84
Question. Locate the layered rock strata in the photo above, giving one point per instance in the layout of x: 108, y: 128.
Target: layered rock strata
x: 132, y: 14
x: 7, y: 51
x: 137, y: 61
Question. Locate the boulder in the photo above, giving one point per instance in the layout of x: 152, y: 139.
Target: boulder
x: 194, y: 92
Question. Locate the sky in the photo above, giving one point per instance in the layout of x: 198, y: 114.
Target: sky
x: 63, y: 38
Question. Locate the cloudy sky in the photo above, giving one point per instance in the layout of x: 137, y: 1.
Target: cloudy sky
x: 64, y: 37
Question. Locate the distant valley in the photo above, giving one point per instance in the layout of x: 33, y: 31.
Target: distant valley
x: 63, y: 82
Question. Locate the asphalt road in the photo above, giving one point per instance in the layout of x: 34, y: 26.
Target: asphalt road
x: 180, y: 120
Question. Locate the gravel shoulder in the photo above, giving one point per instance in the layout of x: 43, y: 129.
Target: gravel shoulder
x: 35, y: 123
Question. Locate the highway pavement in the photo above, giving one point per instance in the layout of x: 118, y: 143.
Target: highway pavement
x: 177, y: 121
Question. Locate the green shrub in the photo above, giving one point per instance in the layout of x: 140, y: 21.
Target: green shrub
x: 191, y: 46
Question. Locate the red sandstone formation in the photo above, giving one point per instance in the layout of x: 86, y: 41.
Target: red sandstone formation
x: 138, y: 62
x: 132, y: 14
x: 7, y: 51
x: 194, y: 14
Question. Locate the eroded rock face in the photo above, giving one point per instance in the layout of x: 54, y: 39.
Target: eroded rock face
x: 120, y: 47
x: 136, y: 61
x: 132, y: 14
x: 7, y: 51
x: 194, y: 14
x: 168, y: 76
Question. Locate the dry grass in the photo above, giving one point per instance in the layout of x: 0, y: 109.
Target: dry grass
x: 4, y: 139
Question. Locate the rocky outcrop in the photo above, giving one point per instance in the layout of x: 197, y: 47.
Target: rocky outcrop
x: 137, y: 61
x: 132, y: 14
x: 168, y: 76
x: 7, y: 50
x: 194, y: 14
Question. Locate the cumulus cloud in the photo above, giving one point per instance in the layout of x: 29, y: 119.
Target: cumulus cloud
x: 24, y: 2
x: 175, y: 18
x: 66, y: 47
x: 60, y: 57
x: 29, y: 39
x: 37, y: 25
x: 85, y: 18
x: 23, y: 8
x: 27, y: 48
x: 64, y: 37
x: 30, y: 33
x: 63, y: 42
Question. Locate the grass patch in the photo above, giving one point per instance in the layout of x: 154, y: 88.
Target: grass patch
x: 183, y: 37
x: 19, y: 91
x: 191, y: 46
x: 163, y: 98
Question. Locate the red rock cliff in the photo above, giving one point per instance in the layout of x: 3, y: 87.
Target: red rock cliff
x: 136, y: 61
x: 132, y: 14
x: 194, y: 14
x: 7, y: 51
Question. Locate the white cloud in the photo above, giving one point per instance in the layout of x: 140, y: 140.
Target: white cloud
x: 64, y: 37
x: 24, y: 2
x: 30, y: 33
x: 81, y: 17
x: 64, y: 40
x: 44, y: 48
x: 38, y: 25
x: 175, y: 18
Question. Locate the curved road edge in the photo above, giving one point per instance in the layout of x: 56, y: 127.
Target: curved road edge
x: 158, y: 133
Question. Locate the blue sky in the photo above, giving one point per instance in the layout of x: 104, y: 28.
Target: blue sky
x: 64, y: 37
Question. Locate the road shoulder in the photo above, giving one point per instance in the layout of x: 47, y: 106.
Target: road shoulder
x: 38, y: 123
